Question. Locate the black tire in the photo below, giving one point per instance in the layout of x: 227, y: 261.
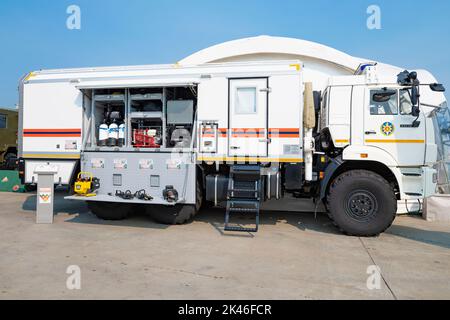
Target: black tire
x: 110, y: 210
x: 30, y: 187
x: 178, y: 214
x: 10, y: 161
x: 362, y: 203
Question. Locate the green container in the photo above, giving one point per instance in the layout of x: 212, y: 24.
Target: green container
x: 10, y: 182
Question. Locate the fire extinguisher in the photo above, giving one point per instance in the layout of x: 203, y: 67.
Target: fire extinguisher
x: 121, y: 135
x: 103, y: 134
x: 113, y: 134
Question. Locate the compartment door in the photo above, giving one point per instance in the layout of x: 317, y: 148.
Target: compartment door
x: 247, y: 131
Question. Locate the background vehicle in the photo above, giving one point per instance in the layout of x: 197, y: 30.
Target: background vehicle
x: 9, y: 120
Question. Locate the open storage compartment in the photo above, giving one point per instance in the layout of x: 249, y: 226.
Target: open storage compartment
x: 146, y: 117
x: 140, y: 118
x: 109, y: 114
x: 181, y: 106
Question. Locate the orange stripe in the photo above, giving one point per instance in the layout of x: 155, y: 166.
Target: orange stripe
x: 284, y: 135
x: 395, y: 141
x: 52, y: 130
x: 296, y: 130
x: 223, y: 133
x: 255, y: 133
x: 251, y: 130
x: 52, y: 135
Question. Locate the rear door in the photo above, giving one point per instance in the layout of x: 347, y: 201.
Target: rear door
x: 388, y: 126
x: 247, y: 132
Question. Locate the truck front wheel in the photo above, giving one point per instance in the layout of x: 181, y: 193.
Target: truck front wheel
x: 362, y: 203
x: 110, y: 210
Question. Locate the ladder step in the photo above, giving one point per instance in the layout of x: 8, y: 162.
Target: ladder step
x: 247, y: 177
x: 241, y: 229
x: 244, y: 201
x: 243, y: 190
x: 233, y: 209
x: 245, y: 168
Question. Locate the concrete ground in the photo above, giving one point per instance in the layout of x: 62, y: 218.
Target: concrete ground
x: 294, y: 256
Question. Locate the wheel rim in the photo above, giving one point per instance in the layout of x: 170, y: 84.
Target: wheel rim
x: 361, y: 205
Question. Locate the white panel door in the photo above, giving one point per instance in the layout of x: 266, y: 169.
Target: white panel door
x: 247, y: 132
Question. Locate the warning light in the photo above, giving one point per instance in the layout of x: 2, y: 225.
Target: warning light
x: 364, y: 155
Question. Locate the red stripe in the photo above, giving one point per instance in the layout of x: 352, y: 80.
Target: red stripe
x: 284, y: 135
x: 248, y: 129
x: 52, y: 135
x: 274, y: 130
x: 255, y: 133
x: 247, y: 136
x: 52, y: 130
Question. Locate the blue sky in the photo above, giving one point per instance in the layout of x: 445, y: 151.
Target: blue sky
x: 33, y: 33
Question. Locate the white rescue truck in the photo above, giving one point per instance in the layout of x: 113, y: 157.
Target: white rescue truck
x: 237, y: 133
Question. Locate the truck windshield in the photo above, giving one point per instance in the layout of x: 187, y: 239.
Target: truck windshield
x: 442, y: 125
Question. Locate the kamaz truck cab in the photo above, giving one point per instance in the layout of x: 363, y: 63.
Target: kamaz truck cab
x: 382, y: 143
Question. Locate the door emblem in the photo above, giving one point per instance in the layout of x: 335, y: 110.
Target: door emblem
x: 387, y: 129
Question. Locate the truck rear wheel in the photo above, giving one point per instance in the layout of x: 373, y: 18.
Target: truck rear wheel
x: 362, y: 203
x: 178, y: 214
x: 110, y: 210
x: 30, y: 187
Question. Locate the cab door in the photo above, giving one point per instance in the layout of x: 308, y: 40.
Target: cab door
x: 389, y: 126
x: 247, y: 132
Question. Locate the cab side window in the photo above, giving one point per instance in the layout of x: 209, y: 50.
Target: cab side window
x: 3, y: 121
x: 324, y: 111
x: 405, y: 102
x: 389, y: 107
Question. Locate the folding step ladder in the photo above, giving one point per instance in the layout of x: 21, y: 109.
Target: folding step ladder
x: 243, y: 195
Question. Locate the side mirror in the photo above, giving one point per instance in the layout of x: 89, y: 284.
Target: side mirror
x: 415, y: 111
x: 317, y: 100
x: 437, y: 87
x: 415, y: 95
x: 383, y: 96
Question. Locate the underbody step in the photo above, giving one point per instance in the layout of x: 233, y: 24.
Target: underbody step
x: 244, y: 195
x: 241, y: 229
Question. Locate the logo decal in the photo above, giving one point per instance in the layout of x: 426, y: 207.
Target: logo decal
x: 45, y: 196
x: 387, y: 128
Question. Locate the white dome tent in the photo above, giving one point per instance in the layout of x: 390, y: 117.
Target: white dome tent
x: 319, y: 61
x: 274, y: 48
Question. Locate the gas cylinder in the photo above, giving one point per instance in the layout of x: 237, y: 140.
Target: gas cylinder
x: 121, y: 140
x: 113, y: 134
x: 103, y: 134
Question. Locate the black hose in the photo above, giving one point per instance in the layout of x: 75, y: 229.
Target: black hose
x: 127, y: 195
x: 142, y: 195
x: 418, y: 212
